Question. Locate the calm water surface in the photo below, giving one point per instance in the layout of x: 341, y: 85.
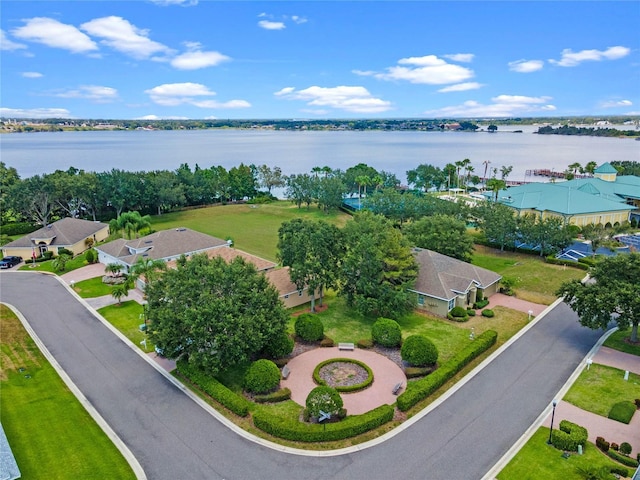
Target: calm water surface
x: 299, y: 152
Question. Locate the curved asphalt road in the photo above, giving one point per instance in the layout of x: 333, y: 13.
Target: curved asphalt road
x: 174, y: 438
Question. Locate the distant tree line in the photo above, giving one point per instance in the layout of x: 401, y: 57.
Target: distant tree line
x: 587, y: 131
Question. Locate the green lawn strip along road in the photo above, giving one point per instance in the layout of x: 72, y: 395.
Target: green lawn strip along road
x: 600, y: 387
x: 126, y: 318
x: 617, y: 341
x: 92, y: 288
x: 50, y: 433
x: 539, y: 461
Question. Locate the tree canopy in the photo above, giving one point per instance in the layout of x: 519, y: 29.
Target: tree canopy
x: 612, y: 294
x: 443, y: 234
x: 216, y: 314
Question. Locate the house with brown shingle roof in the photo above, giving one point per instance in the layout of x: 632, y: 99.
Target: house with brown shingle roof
x: 71, y: 233
x: 164, y: 245
x: 290, y: 294
x: 444, y: 282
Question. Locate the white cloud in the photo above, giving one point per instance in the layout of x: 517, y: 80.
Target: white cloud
x: 502, y: 106
x: 299, y: 20
x: 52, y: 33
x: 32, y: 75
x: 617, y: 103
x: 34, y: 113
x: 269, y: 25
x: 351, y: 99
x: 92, y: 92
x: 460, y: 57
x: 181, y: 3
x: 429, y: 70
x: 461, y: 87
x: 175, y: 94
x: 119, y: 34
x: 156, y: 117
x: 572, y: 59
x: 526, y: 66
x: 8, y: 45
x: 198, y: 59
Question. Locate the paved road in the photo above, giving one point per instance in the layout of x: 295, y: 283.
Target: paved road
x: 173, y: 437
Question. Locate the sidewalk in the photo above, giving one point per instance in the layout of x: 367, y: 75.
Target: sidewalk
x: 614, y: 358
x: 84, y: 273
x: 515, y: 304
x: 106, y: 300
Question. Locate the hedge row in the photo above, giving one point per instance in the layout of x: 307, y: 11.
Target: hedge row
x: 275, y: 397
x: 421, y: 389
x: 623, y: 459
x: 569, y: 263
x: 347, y: 388
x: 569, y: 436
x: 17, y: 228
x: 296, y: 431
x: 234, y: 402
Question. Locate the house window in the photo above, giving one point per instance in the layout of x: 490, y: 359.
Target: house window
x: 299, y: 293
x: 420, y: 299
x: 452, y: 303
x: 286, y: 296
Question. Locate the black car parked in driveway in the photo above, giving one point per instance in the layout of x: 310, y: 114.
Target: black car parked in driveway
x: 8, y: 262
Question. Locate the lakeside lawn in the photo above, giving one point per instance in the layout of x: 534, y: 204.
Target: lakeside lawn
x: 536, y: 280
x: 539, y: 461
x: 47, y: 427
x: 252, y: 227
x: 600, y: 387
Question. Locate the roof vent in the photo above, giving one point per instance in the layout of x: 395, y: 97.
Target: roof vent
x: 148, y: 241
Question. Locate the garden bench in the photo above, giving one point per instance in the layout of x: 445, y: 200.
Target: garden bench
x: 346, y: 346
x: 396, y: 388
x: 285, y: 372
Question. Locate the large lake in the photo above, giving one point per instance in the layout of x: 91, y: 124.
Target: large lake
x: 299, y: 152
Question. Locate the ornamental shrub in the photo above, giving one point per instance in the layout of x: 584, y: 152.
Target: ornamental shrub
x: 471, y: 312
x: 488, y: 313
x: 280, y: 346
x: 386, y: 332
x: 90, y: 256
x: 419, y: 351
x: 625, y: 448
x: 309, y: 327
x: 602, y: 444
x: 637, y: 402
x: 65, y: 251
x: 275, y: 397
x: 263, y: 376
x: 614, y: 446
x: 569, y: 436
x: 365, y: 343
x: 622, y: 411
x: 628, y: 461
x: 623, y: 472
x: 458, y: 312
x: 327, y: 342
x: 323, y: 398
x: 480, y: 304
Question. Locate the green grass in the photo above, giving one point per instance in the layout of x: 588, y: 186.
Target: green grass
x: 539, y: 461
x: 50, y: 433
x: 618, y: 341
x: 598, y: 388
x: 126, y: 318
x: 536, y: 280
x: 253, y: 228
x: 91, y: 288
x: 73, y: 264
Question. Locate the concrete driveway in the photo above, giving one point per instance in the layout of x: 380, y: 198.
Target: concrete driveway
x: 174, y: 437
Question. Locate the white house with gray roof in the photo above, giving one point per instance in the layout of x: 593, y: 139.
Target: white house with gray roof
x: 445, y: 282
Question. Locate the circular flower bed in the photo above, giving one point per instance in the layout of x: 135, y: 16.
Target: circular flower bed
x: 343, y: 374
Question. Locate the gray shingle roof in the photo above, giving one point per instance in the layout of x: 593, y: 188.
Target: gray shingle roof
x: 444, y: 277
x: 65, y: 232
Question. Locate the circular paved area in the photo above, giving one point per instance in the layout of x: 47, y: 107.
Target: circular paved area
x: 386, y: 375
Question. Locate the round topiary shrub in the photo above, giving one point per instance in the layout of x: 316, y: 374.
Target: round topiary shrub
x: 309, y: 328
x: 487, y: 312
x: 325, y: 399
x: 280, y: 346
x: 625, y: 448
x: 458, y: 312
x: 386, y: 332
x: 419, y: 351
x: 263, y: 376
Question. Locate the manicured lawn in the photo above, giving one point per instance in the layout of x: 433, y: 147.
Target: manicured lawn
x: 93, y: 287
x: 126, y: 318
x: 253, y: 228
x: 73, y: 264
x: 539, y: 461
x: 598, y: 388
x: 536, y: 280
x: 51, y: 435
x: 617, y: 341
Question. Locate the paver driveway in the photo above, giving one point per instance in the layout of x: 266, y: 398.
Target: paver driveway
x: 174, y: 438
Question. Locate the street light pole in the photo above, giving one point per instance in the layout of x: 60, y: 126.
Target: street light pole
x: 553, y: 413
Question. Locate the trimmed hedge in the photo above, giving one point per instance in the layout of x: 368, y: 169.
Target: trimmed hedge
x: 263, y: 376
x: 623, y: 459
x: 386, y: 332
x: 479, y: 305
x: 421, y: 389
x: 296, y: 431
x: 327, y: 342
x: 236, y: 403
x: 569, y: 436
x: 622, y: 411
x: 625, y: 448
x: 275, y: 397
x: 602, y: 444
x: 323, y: 399
x: 309, y: 327
x: 280, y: 346
x: 569, y: 263
x: 348, y: 388
x: 487, y: 312
x: 17, y: 228
x: 419, y: 351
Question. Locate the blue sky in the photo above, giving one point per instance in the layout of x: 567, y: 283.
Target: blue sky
x: 198, y: 59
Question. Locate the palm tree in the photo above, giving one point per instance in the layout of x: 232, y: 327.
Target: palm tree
x: 120, y: 290
x: 60, y: 262
x: 115, y: 269
x: 147, y: 268
x: 575, y: 167
x: 590, y: 167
